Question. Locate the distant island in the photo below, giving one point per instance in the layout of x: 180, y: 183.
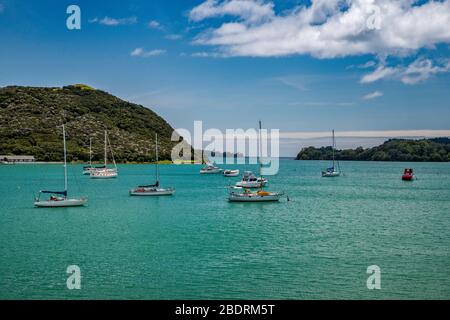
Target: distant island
x: 29, y: 117
x: 423, y: 150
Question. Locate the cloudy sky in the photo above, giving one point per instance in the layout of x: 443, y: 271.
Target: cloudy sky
x: 371, y: 69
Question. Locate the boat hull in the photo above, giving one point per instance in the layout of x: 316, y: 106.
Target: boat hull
x: 109, y: 174
x: 152, y: 193
x: 271, y: 197
x: 104, y: 177
x: 331, y: 174
x: 61, y: 204
x: 407, y: 177
x: 215, y: 171
x: 246, y: 184
x: 231, y: 173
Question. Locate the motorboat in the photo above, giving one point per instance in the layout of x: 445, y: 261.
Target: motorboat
x: 231, y: 173
x: 408, y: 174
x: 238, y: 194
x: 249, y: 180
x: 210, y: 169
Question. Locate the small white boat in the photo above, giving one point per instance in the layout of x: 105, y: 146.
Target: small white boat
x: 210, y: 169
x: 249, y: 180
x: 154, y: 189
x: 151, y: 191
x: 332, y: 172
x: 60, y: 202
x: 59, y: 199
x: 89, y: 168
x: 245, y: 195
x: 104, y: 172
x: 231, y: 173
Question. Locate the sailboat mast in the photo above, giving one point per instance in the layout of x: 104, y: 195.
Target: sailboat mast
x: 106, y: 155
x: 157, y: 158
x: 90, y: 152
x: 333, y: 146
x: 112, y: 153
x: 65, y: 159
x: 260, y: 150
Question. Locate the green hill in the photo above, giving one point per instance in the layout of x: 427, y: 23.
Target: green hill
x: 30, y: 116
x: 435, y: 150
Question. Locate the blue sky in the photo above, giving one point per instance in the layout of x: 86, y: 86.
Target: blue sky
x: 230, y: 63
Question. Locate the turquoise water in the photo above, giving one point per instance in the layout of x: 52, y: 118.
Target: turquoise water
x: 196, y: 245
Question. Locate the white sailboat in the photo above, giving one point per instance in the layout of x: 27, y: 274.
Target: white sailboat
x: 88, y: 169
x: 105, y: 172
x: 59, y: 198
x: 239, y: 194
x: 332, y: 172
x: 154, y: 189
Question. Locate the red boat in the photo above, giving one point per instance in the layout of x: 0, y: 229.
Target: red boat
x: 408, y: 174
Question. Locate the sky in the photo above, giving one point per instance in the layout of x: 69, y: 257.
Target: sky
x: 358, y: 67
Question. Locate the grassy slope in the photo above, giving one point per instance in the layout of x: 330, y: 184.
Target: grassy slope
x: 29, y: 120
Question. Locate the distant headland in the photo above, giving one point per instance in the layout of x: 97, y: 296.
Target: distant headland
x: 423, y: 150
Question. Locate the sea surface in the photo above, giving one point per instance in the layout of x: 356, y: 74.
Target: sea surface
x: 197, y: 245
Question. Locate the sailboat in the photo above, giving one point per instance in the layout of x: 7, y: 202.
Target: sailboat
x: 105, y: 172
x: 239, y: 194
x: 59, y: 198
x: 88, y: 169
x: 153, y: 189
x: 332, y: 172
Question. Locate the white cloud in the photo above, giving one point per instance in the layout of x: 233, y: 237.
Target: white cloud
x: 418, y: 71
x: 140, y: 52
x: 251, y: 11
x: 379, y: 73
x: 174, y: 36
x: 325, y: 28
x: 293, y: 82
x: 154, y: 25
x: 204, y: 54
x: 422, y: 69
x: 367, y: 65
x: 112, y: 22
x: 373, y: 95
